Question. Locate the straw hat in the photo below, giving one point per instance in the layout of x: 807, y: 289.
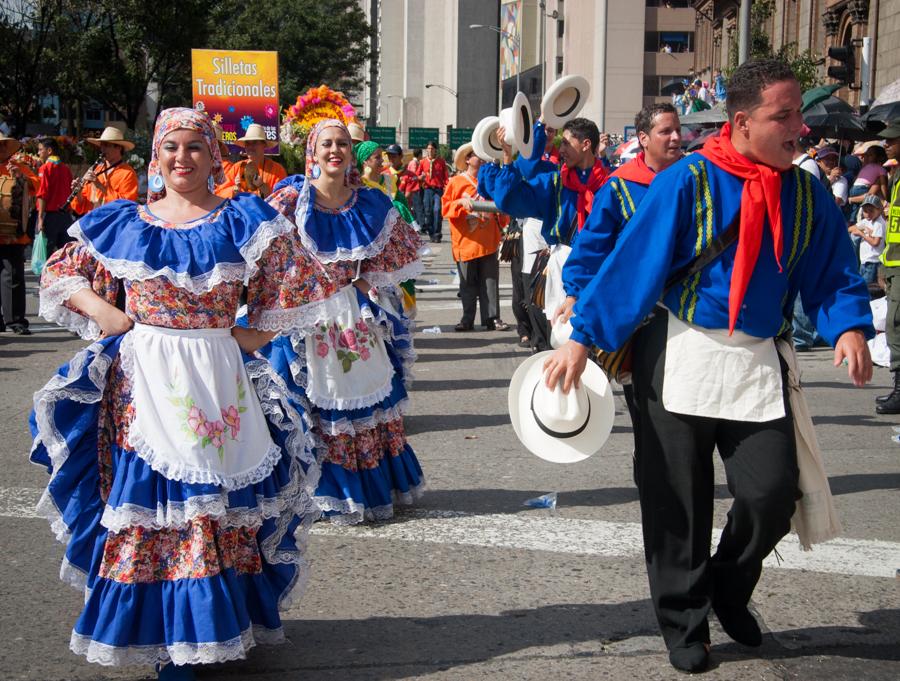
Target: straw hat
x: 863, y: 147
x: 112, y: 135
x: 255, y: 133
x: 564, y: 100
x: 461, y: 156
x: 7, y: 142
x: 557, y: 427
x: 357, y: 132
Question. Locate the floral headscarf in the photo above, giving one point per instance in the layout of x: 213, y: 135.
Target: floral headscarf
x: 313, y: 138
x: 181, y: 118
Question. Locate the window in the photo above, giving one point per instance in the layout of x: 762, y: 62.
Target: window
x: 668, y: 41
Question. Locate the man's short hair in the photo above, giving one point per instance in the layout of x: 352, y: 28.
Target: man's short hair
x: 749, y: 80
x: 49, y: 143
x: 432, y: 143
x: 643, y: 122
x: 878, y: 153
x: 584, y: 129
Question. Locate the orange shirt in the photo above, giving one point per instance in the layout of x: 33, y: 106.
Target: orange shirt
x: 119, y: 183
x: 470, y: 239
x: 271, y: 172
x: 33, y: 181
x: 226, y: 189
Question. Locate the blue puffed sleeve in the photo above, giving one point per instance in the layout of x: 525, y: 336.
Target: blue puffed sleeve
x: 596, y: 240
x: 616, y: 299
x: 534, y: 198
x: 535, y: 165
x: 833, y: 293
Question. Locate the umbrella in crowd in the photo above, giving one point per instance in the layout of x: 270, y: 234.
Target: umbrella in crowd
x: 700, y: 139
x: 833, y: 117
x: 628, y: 150
x: 673, y: 87
x: 886, y: 108
x: 818, y: 94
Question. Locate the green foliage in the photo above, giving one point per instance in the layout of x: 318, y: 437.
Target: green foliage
x: 803, y: 64
x: 318, y: 41
x: 293, y: 158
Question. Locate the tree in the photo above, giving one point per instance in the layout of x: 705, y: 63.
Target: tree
x: 25, y: 27
x: 318, y: 41
x: 803, y: 64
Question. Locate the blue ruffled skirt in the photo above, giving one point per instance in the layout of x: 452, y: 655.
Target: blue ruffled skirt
x: 367, y: 465
x: 172, y: 571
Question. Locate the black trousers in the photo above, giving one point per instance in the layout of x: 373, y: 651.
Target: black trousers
x: 674, y: 473
x: 12, y: 285
x: 479, y: 281
x: 520, y: 293
x: 56, y: 225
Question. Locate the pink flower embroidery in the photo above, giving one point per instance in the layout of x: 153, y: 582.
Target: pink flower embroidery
x: 348, y: 339
x: 362, y: 326
x: 216, y: 433
x: 197, y: 421
x: 364, y: 353
x: 321, y: 349
x: 232, y: 418
x: 332, y: 336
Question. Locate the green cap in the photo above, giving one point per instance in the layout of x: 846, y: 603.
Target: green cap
x: 891, y: 132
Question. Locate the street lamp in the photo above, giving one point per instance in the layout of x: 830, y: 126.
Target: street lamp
x: 443, y: 87
x: 510, y: 38
x: 402, y: 107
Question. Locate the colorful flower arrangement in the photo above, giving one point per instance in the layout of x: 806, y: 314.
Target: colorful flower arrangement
x: 314, y: 105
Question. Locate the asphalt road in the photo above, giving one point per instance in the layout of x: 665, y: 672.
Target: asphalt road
x: 472, y: 584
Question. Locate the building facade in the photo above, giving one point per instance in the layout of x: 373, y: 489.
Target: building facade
x: 870, y: 27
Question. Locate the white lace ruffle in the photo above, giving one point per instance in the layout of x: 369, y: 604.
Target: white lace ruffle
x: 370, y: 250
x: 302, y: 320
x: 257, y: 244
x: 352, y: 512
x: 71, y: 575
x: 346, y: 426
x: 395, y: 277
x: 139, y: 271
x: 179, y: 653
x: 52, y: 309
x: 179, y: 514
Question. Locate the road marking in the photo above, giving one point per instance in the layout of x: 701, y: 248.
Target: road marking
x: 543, y: 531
x: 427, y: 307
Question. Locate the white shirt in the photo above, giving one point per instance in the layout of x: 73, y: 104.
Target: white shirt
x: 809, y: 165
x: 532, y: 242
x: 840, y: 188
x: 868, y: 253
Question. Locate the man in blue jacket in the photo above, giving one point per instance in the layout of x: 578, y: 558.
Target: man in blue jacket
x: 706, y: 372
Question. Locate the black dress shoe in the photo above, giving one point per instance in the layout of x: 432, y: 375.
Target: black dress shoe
x: 20, y: 329
x: 739, y: 623
x: 463, y: 327
x: 691, y: 658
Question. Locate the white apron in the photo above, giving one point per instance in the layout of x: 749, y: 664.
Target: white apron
x: 197, y: 416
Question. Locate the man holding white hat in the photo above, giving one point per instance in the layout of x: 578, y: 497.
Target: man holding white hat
x: 256, y: 174
x: 110, y: 179
x: 707, y: 372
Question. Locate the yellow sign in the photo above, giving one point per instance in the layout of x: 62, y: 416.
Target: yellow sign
x: 237, y: 88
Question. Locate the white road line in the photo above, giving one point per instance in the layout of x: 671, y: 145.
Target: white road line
x: 543, y: 531
x: 427, y: 307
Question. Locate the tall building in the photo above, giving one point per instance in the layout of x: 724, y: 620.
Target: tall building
x: 870, y: 27
x: 431, y: 70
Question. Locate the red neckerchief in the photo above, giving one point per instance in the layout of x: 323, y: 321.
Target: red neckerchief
x: 585, y: 192
x: 760, y: 197
x: 636, y: 170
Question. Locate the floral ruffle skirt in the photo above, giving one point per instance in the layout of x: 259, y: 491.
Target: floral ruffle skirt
x: 188, y: 572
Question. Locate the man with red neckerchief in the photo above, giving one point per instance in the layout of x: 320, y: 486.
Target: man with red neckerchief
x: 711, y: 369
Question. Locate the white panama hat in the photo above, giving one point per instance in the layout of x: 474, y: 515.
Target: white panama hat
x: 564, y: 100
x: 519, y: 124
x: 484, y: 139
x: 554, y: 426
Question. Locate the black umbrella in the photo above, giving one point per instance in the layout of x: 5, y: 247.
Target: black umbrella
x: 883, y: 113
x: 700, y: 139
x: 833, y: 117
x: 673, y: 87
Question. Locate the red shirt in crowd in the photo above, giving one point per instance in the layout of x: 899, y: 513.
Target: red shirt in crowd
x: 435, y: 171
x: 409, y: 178
x: 55, y: 184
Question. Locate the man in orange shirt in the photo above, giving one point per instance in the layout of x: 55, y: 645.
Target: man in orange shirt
x: 475, y: 238
x: 112, y: 179
x: 17, y: 181
x: 256, y: 174
x: 226, y: 189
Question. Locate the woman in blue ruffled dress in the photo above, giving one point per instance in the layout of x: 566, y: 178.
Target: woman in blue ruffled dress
x: 351, y: 374
x: 181, y: 476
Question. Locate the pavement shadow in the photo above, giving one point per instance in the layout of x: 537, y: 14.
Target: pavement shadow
x: 863, y: 482
x: 848, y: 420
x: 430, y: 423
x: 459, y: 341
x: 382, y: 648
x: 460, y: 384
x: 474, y: 356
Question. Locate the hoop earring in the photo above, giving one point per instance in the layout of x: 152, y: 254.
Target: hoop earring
x: 316, y: 172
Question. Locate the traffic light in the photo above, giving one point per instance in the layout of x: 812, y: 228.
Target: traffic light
x: 845, y: 55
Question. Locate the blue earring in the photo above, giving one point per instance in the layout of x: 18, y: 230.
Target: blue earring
x: 155, y: 183
x: 211, y: 184
x: 316, y: 172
